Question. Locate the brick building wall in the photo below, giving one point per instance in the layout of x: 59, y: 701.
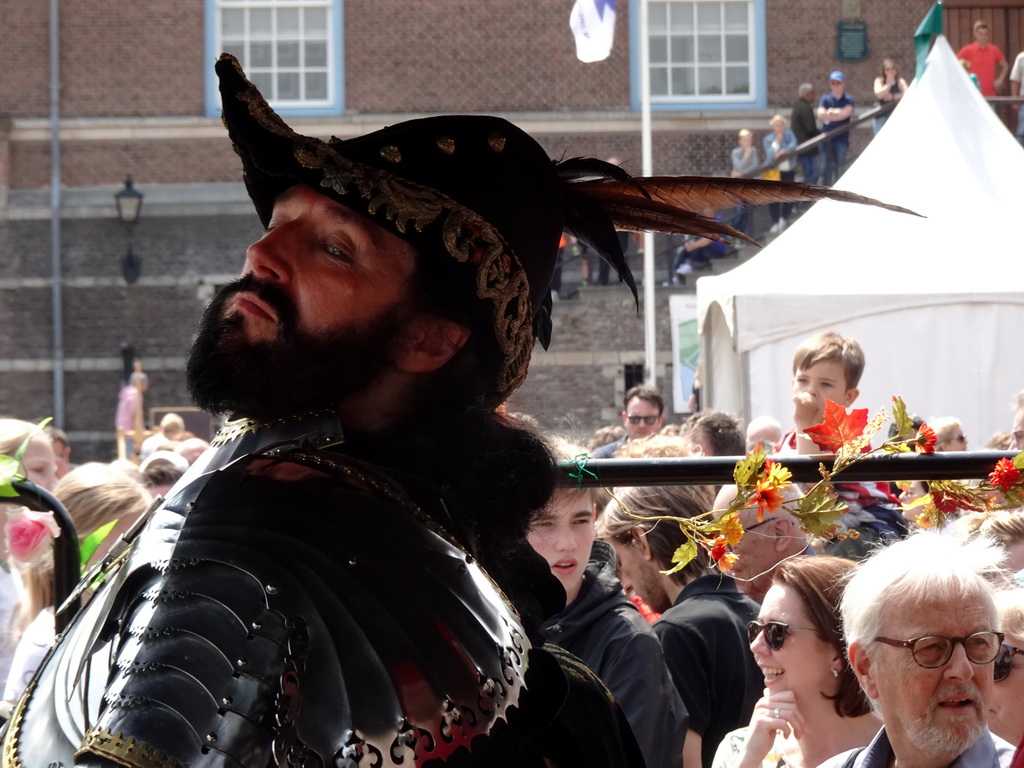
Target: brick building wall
x: 132, y: 102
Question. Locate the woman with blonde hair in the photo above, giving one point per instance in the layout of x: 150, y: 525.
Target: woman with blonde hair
x: 1005, y: 713
x: 103, y: 503
x: 744, y: 160
x: 38, y: 458
x: 949, y: 433
x: 38, y: 465
x: 780, y: 145
x: 1003, y: 525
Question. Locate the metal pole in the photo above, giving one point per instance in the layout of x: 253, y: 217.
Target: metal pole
x: 717, y: 470
x: 56, y: 293
x: 650, y: 336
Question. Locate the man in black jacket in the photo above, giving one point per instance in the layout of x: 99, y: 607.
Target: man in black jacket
x: 805, y: 127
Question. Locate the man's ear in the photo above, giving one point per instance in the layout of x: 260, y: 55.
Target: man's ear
x: 641, y: 543
x: 860, y: 662
x: 428, y: 343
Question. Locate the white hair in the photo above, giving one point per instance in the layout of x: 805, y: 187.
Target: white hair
x: 804, y: 88
x: 924, y: 566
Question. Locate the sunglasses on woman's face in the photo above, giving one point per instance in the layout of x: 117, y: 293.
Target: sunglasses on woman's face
x: 1004, y: 662
x: 774, y: 632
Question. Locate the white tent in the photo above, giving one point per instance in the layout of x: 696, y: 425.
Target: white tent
x: 937, y: 303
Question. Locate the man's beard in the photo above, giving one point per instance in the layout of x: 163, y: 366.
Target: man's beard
x: 294, y: 373
x: 950, y: 738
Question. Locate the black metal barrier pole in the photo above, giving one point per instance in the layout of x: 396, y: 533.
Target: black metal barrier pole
x: 959, y: 465
x: 67, y: 569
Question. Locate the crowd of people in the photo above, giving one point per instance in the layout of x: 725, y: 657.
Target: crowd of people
x: 759, y: 656
x: 103, y: 499
x: 374, y: 564
x: 810, y: 116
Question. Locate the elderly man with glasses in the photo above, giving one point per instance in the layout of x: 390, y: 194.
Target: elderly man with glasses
x: 923, y: 633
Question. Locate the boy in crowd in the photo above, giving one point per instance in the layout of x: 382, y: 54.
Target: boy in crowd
x: 602, y: 627
x: 828, y: 367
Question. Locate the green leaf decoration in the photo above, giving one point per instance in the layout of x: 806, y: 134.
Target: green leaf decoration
x: 9, y: 467
x: 24, y: 443
x: 820, y: 509
x: 1018, y: 461
x: 748, y: 469
x: 904, y: 426
x: 686, y: 552
x: 897, y: 447
x: 92, y: 542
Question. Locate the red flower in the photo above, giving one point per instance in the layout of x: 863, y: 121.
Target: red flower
x: 1004, y: 475
x: 768, y: 498
x: 719, y: 548
x: 720, y: 553
x: 924, y: 441
x: 944, y: 502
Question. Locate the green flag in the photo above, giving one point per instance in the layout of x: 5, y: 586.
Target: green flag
x: 930, y: 25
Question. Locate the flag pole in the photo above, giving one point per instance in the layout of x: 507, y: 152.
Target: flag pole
x: 650, y: 338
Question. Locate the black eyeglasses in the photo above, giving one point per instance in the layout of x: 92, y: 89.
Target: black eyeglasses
x: 774, y: 632
x: 1004, y: 662
x: 645, y: 419
x: 932, y: 651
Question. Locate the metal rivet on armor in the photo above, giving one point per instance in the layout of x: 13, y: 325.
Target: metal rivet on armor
x: 226, y: 701
x: 271, y: 589
x: 241, y: 662
x: 352, y: 562
x: 496, y: 142
x: 257, y: 625
x: 391, y: 154
x: 446, y: 144
x: 211, y: 737
x: 190, y: 506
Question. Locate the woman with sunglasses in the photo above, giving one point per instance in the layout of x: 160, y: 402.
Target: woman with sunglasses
x: 812, y: 707
x: 1005, y: 713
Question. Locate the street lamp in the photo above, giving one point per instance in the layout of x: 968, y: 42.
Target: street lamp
x: 129, y: 206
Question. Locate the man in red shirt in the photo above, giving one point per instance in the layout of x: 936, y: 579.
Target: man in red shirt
x: 985, y: 58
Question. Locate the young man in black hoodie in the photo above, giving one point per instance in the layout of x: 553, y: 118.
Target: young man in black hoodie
x: 602, y: 627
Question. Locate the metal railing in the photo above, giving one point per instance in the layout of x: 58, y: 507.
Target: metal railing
x: 959, y: 465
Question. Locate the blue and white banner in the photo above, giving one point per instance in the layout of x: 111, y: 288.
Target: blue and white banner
x: 593, y: 25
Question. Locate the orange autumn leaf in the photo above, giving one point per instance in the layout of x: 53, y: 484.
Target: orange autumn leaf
x: 837, y: 427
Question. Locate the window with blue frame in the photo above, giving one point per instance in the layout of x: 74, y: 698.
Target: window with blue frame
x: 290, y: 49
x: 702, y: 51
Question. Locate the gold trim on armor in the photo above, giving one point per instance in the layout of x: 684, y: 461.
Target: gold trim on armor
x: 124, y: 751
x: 237, y: 428
x: 11, y: 758
x: 496, y: 142
x: 446, y: 144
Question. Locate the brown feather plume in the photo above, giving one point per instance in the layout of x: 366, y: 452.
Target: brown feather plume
x: 601, y: 198
x: 668, y: 203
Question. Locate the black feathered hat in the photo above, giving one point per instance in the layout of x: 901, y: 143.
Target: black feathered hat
x: 470, y: 188
x: 479, y: 191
